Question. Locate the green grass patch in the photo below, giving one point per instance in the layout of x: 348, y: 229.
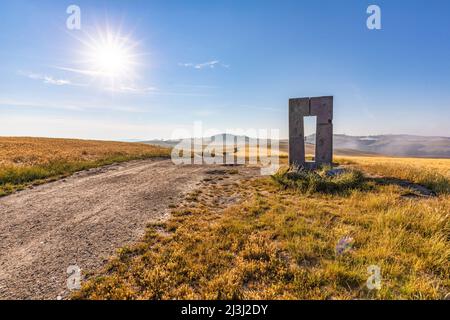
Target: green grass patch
x: 312, y: 181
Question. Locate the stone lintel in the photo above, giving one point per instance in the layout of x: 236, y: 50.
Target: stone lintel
x: 300, y: 106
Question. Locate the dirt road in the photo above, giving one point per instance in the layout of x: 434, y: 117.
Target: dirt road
x: 81, y: 221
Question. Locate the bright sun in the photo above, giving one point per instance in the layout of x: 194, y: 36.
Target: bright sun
x: 110, y: 59
x: 111, y: 56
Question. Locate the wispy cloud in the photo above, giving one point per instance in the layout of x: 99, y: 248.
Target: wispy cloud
x: 37, y: 105
x: 132, y: 89
x: 123, y: 87
x: 209, y: 64
x: 85, y: 72
x: 70, y: 106
x: 47, y: 79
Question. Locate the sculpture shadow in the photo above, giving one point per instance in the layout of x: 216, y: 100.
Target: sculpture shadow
x: 415, y: 190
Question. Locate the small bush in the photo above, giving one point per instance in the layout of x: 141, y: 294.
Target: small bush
x: 318, y: 181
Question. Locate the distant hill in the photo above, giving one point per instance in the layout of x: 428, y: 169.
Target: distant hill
x: 389, y: 145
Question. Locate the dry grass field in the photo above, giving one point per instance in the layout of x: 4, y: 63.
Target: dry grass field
x: 289, y: 236
x: 26, y: 161
x: 308, y: 237
x: 431, y: 173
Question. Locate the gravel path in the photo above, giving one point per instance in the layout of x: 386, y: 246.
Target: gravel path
x: 81, y: 221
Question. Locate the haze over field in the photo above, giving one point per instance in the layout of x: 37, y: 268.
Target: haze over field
x: 390, y: 145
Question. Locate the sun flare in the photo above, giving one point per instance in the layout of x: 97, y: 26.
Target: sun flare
x: 110, y: 59
x: 111, y: 56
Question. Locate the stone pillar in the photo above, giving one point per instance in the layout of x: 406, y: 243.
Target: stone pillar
x: 298, y: 109
x: 322, y: 108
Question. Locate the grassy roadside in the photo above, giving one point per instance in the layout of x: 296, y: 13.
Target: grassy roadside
x: 32, y: 161
x: 280, y: 243
x: 430, y: 173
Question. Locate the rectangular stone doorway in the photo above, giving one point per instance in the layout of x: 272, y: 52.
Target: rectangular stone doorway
x: 322, y: 108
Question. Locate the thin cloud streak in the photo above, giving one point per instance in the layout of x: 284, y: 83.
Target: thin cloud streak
x: 209, y: 64
x: 132, y: 89
x: 91, y: 73
x: 47, y: 79
x: 8, y: 103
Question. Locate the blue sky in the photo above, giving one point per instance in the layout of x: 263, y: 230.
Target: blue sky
x: 230, y: 64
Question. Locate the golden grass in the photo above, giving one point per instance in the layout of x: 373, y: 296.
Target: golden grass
x: 431, y: 173
x: 282, y: 244
x: 25, y: 161
x: 441, y: 166
x: 35, y: 151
